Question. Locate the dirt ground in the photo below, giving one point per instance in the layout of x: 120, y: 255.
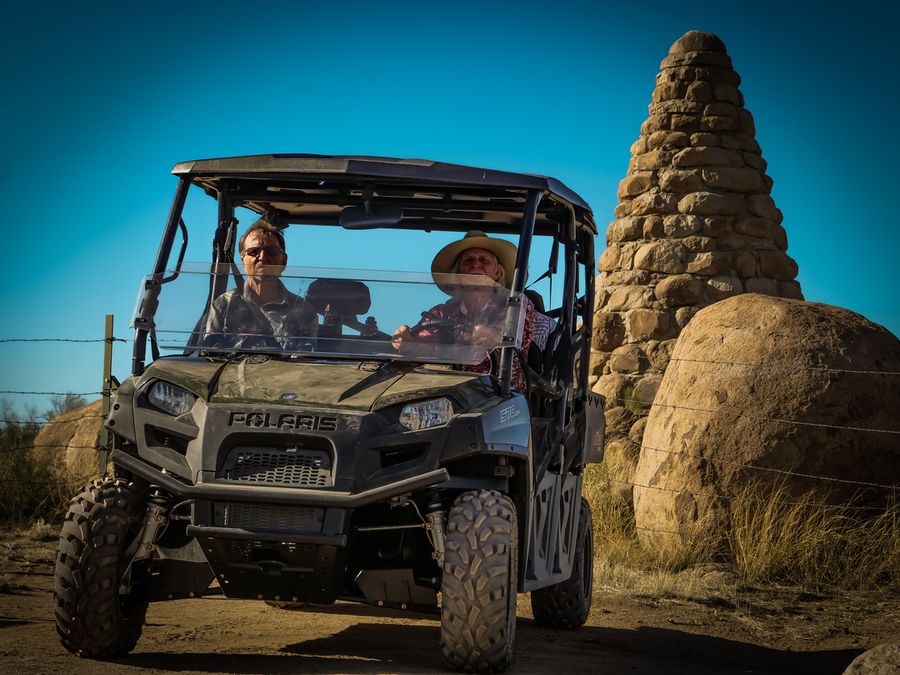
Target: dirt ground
x: 749, y: 630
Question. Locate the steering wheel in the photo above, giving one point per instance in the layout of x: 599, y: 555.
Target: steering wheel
x: 443, y: 328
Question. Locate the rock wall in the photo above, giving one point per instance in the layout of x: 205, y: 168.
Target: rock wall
x: 695, y: 224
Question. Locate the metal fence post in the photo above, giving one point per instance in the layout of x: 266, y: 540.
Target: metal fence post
x: 107, y: 394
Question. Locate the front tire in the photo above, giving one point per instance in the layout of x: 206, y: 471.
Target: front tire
x: 568, y: 603
x: 480, y: 576
x: 93, y: 618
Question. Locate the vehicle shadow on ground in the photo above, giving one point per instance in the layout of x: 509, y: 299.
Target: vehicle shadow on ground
x: 385, y: 647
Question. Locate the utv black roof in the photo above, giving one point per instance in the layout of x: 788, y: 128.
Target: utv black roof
x: 315, y: 188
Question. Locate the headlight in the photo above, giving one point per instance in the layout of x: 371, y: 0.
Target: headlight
x: 426, y: 414
x: 174, y: 400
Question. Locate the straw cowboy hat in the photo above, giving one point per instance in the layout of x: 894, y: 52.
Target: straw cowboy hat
x: 445, y: 260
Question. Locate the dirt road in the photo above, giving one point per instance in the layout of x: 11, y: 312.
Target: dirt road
x: 754, y: 631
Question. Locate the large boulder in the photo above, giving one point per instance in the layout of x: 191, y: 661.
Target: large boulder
x: 757, y: 382
x: 68, y: 444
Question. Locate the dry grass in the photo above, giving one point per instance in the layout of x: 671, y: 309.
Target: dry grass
x: 801, y: 543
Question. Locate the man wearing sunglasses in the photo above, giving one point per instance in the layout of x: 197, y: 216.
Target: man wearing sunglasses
x: 265, y: 314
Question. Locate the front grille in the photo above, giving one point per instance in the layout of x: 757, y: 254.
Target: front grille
x: 302, y: 467
x: 269, y: 518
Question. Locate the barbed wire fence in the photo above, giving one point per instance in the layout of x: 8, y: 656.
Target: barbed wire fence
x: 775, y: 366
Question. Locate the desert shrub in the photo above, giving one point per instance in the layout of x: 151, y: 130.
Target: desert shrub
x: 29, y: 490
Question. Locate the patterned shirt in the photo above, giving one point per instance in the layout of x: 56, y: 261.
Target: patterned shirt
x: 493, y: 314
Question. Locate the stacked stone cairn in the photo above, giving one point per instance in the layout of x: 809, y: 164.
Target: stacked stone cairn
x: 695, y: 224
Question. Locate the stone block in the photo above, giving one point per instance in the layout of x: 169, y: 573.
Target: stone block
x: 779, y: 237
x: 763, y: 205
x: 661, y: 256
x: 678, y: 107
x: 653, y: 227
x: 699, y: 91
x: 635, y: 184
x: 721, y: 287
x: 709, y: 263
x: 608, y: 331
x: 659, y: 352
x: 763, y: 286
x: 618, y: 418
x: 681, y: 225
x: 628, y: 359
x: 684, y: 314
x: 668, y: 139
x: 721, y: 108
x: 623, y: 209
x: 609, y: 259
x: 723, y: 91
x: 746, y: 122
x: 707, y: 156
x: 628, y: 297
x: 636, y: 432
x: 654, y: 123
x: 753, y: 226
x: 734, y: 179
x: 705, y: 138
x: 646, y: 387
x: 679, y: 289
x: 612, y: 387
x: 777, y: 265
x: 755, y: 161
x: 714, y: 74
x: 647, y: 161
x: 698, y: 41
x: 717, y: 226
x: 654, y: 201
x: 629, y: 278
x: 711, y: 204
x: 790, y: 289
x: 639, y: 146
x: 698, y: 244
x: 679, y: 181
x: 624, y: 229
x: 668, y: 90
x: 685, y: 123
x: 718, y: 123
x: 697, y: 58
x: 743, y: 263
x: 644, y: 324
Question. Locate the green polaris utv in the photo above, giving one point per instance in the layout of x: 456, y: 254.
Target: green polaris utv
x: 321, y: 463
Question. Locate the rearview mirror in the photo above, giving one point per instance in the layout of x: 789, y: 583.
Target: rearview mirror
x: 372, y: 215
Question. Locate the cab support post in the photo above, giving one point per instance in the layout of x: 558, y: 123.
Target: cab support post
x: 518, y: 285
x: 162, y: 258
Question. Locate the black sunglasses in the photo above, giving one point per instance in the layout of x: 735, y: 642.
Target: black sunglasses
x: 270, y: 251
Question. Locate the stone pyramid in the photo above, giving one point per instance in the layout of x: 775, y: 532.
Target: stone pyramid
x: 695, y: 223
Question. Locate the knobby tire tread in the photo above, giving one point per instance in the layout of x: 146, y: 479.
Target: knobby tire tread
x: 99, y: 525
x: 478, y: 608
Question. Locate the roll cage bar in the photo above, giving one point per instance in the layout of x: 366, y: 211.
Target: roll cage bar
x: 434, y: 197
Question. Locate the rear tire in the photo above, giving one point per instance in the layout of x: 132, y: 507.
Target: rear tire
x: 480, y: 577
x: 93, y: 618
x: 567, y: 604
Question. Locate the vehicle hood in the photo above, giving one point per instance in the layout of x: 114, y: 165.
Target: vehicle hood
x: 337, y: 385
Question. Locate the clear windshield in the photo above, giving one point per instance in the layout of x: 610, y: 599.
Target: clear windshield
x: 453, y: 319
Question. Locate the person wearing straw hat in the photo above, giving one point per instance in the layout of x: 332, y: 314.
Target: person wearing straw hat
x: 474, y: 309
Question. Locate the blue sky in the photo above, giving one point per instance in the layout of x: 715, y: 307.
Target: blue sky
x: 101, y: 101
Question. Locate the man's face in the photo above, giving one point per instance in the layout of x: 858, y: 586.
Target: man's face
x: 478, y: 261
x: 263, y: 255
